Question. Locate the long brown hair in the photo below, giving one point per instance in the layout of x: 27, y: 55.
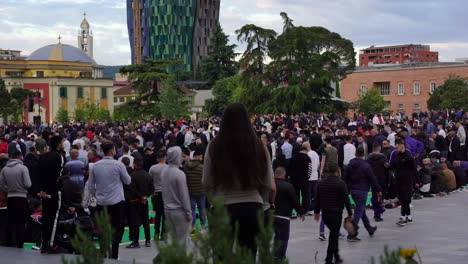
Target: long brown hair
x: 238, y: 157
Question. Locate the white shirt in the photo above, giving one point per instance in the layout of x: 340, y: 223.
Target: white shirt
x: 273, y: 150
x: 461, y: 135
x: 391, y: 139
x: 130, y: 157
x: 315, y: 161
x: 287, y: 149
x: 79, y: 140
x: 349, y: 153
x: 66, y: 148
x: 442, y: 133
x: 375, y: 121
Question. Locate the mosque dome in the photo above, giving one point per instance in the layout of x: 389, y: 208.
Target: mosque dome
x: 60, y: 52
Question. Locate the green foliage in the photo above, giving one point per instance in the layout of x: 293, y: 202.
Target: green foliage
x: 453, y: 94
x: 12, y: 102
x: 172, y: 104
x: 91, y: 112
x: 86, y: 246
x: 145, y: 77
x: 62, y: 115
x: 224, y: 92
x: 398, y: 256
x: 371, y: 102
x: 304, y: 61
x: 134, y: 110
x: 219, y: 245
x: 220, y: 62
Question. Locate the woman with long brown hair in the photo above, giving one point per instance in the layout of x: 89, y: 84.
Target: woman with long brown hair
x: 238, y: 168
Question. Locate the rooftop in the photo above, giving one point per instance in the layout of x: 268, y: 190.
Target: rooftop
x: 395, y: 46
x: 417, y: 65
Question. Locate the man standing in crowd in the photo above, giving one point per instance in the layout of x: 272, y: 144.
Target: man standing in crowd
x: 176, y: 199
x: 300, y: 170
x: 194, y: 170
x: 285, y: 201
x: 313, y: 174
x: 50, y: 171
x: 379, y: 165
x: 405, y: 176
x: 360, y: 178
x: 158, y: 204
x: 14, y: 179
x: 349, y: 151
x: 329, y: 156
x: 136, y: 195
x: 332, y: 196
x: 106, y: 182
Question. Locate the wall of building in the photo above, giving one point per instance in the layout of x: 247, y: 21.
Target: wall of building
x: 351, y: 85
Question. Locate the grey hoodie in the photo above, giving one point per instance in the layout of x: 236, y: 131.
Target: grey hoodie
x: 174, y: 184
x: 14, y: 179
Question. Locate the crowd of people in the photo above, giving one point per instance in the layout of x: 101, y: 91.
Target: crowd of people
x: 287, y: 166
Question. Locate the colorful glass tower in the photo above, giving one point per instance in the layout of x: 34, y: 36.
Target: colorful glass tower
x: 162, y: 29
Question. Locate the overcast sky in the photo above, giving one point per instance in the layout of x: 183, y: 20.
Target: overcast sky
x: 30, y: 24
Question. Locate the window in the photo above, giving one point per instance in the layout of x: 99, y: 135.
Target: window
x: 80, y: 92
x: 401, y: 106
x: 385, y: 89
x: 103, y: 93
x: 388, y: 105
x: 40, y: 74
x: 115, y: 99
x: 432, y: 87
x: 363, y: 90
x: 416, y: 106
x: 63, y: 92
x: 416, y: 88
x: 401, y: 88
x: 122, y: 99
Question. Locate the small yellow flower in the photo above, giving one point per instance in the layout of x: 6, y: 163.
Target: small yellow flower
x: 407, y: 253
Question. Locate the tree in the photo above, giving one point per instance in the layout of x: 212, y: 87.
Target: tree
x: 287, y: 22
x: 62, y: 115
x: 172, y: 104
x: 453, y: 94
x: 220, y: 62
x: 224, y: 92
x: 253, y: 64
x: 145, y: 77
x: 91, y: 112
x: 371, y: 102
x: 12, y: 102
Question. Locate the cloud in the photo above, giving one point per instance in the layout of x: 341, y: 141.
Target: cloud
x: 365, y: 22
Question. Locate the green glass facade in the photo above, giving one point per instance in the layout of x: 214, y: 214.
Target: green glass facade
x: 171, y: 28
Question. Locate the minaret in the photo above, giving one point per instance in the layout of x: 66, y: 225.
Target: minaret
x: 85, y: 37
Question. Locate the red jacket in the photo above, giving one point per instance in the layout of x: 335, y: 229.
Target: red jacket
x: 4, y: 147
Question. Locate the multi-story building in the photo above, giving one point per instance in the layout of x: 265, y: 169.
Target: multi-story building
x: 400, y: 54
x: 162, y: 29
x: 61, y: 76
x: 405, y: 88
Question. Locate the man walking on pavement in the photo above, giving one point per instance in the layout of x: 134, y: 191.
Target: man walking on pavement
x: 360, y: 178
x: 332, y: 196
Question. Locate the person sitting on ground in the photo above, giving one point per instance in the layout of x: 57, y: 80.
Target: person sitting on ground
x: 449, y: 178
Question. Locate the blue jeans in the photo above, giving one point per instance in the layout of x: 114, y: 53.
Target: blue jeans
x: 200, y: 203
x: 312, y: 192
x: 377, y: 206
x: 360, y: 198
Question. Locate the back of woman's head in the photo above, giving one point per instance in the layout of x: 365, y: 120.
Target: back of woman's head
x: 237, y: 154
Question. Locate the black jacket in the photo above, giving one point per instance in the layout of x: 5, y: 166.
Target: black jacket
x: 286, y: 199
x: 332, y: 196
x: 405, y: 171
x: 299, y: 168
x: 141, y: 186
x: 50, y: 170
x: 377, y: 162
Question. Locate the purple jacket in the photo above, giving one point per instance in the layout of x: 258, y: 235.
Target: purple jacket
x: 464, y: 165
x: 414, y: 147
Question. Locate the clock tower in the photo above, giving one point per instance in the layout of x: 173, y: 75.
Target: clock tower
x: 85, y: 37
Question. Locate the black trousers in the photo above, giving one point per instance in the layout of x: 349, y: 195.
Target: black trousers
x: 3, y: 227
x: 158, y: 207
x: 246, y: 217
x: 405, y: 199
x: 17, y: 216
x: 137, y: 215
x: 303, y: 188
x: 117, y: 214
x: 49, y: 212
x: 282, y: 228
x: 333, y: 222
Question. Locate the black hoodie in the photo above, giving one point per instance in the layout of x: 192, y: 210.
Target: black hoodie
x: 377, y: 162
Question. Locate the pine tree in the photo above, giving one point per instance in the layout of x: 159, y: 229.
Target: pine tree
x: 220, y: 62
